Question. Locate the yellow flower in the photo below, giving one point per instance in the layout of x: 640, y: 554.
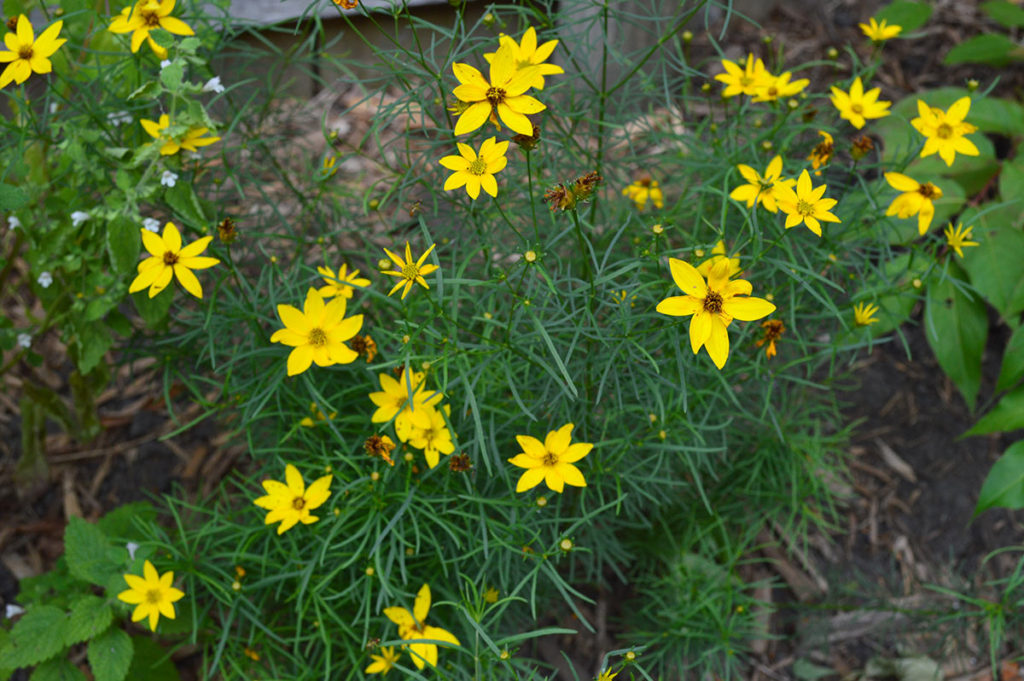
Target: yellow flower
x: 643, y: 189
x: 434, y: 439
x: 316, y: 413
x: 879, y: 32
x: 412, y: 626
x: 916, y: 199
x: 291, y: 503
x: 713, y: 305
x: 317, y: 333
x: 152, y: 595
x: 773, y: 329
x: 958, y: 238
x: 761, y: 189
x: 607, y: 675
x: 503, y: 96
x: 382, y: 663
x: 191, y: 141
x: 857, y: 105
x: 773, y: 87
x: 27, y: 54
x: 945, y: 130
x: 145, y: 16
x: 863, y: 314
x: 805, y: 205
x: 527, y: 53
x: 475, y: 171
x: 718, y: 254
x: 551, y: 461
x: 393, y: 402
x: 746, y: 80
x: 491, y: 595
x: 349, y: 4
x: 328, y: 169
x: 409, y: 272
x: 822, y: 152
x: 169, y: 259
x: 342, y: 283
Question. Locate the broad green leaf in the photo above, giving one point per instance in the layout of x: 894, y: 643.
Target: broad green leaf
x: 90, y: 616
x: 1007, y: 415
x: 182, y: 198
x: 956, y: 327
x: 1011, y: 181
x: 892, y: 291
x: 990, y: 48
x: 151, y: 662
x: 1006, y: 13
x: 118, y: 523
x: 1013, y: 361
x: 153, y: 310
x: 110, y: 655
x: 11, y: 198
x: 909, y: 15
x: 994, y: 264
x: 91, y: 343
x: 35, y: 638
x: 1004, y: 486
x: 124, y: 244
x: 57, y: 669
x: 172, y: 75
x: 85, y: 548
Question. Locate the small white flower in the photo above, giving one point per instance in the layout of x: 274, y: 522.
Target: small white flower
x: 119, y: 117
x: 132, y: 548
x: 168, y: 179
x: 45, y: 279
x: 165, y: 63
x: 78, y: 217
x: 53, y: 107
x: 152, y: 224
x: 13, y: 610
x: 213, y: 85
x: 25, y: 340
x: 13, y: 222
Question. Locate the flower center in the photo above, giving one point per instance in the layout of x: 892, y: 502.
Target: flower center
x: 766, y: 184
x: 857, y: 108
x: 927, y: 190
x: 496, y: 95
x: 25, y: 52
x: 713, y: 302
x: 944, y: 131
x: 170, y: 258
x: 550, y: 459
x: 150, y: 18
x: 317, y: 337
x: 773, y: 92
x: 153, y: 596
x: 478, y: 167
x: 298, y: 503
x: 409, y: 269
x: 804, y: 208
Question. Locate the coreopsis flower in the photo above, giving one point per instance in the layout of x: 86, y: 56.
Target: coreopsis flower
x: 394, y: 402
x: 550, y: 461
x: 348, y: 4
x: 774, y: 87
x: 328, y: 169
x: 527, y: 53
x: 145, y: 16
x: 168, y: 259
x: 945, y: 130
x: 857, y: 105
x: 773, y: 329
x: 316, y: 415
x: 806, y: 205
x: 412, y: 626
x: 26, y: 54
x: 879, y: 32
x: 959, y: 238
x: 916, y: 199
x: 408, y: 271
x: 863, y: 314
x: 190, y: 141
x: 502, y: 96
x: 434, y: 439
x: 152, y: 595
x: 713, y: 304
x: 822, y: 152
x: 745, y: 80
x: 473, y: 170
x: 342, y: 284
x: 607, y: 675
x: 382, y: 663
x: 761, y: 189
x: 643, y: 189
x: 380, y: 445
x: 317, y: 333
x: 290, y: 502
x: 718, y: 254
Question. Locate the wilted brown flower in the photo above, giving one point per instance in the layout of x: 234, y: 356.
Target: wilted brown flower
x: 861, y: 147
x: 528, y: 142
x: 459, y: 463
x: 380, y: 445
x: 227, y: 230
x: 364, y: 346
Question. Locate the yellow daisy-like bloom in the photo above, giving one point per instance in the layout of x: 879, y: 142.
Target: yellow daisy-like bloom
x: 607, y: 675
x: 393, y: 402
x: 146, y: 16
x: 643, y: 189
x: 434, y: 439
x: 774, y: 87
x: 26, y: 54
x: 316, y: 413
x: 822, y: 152
x: 713, y: 305
x: 527, y: 53
x: 718, y: 254
x: 383, y: 663
x: 412, y: 626
x: 191, y: 141
x: 805, y: 205
x: 168, y: 259
x: 342, y: 284
x: 503, y: 96
x: 152, y: 595
x: 880, y: 32
x: 959, y: 238
x: 409, y: 272
x: 856, y: 105
x: 945, y: 130
x: 864, y: 314
x: 291, y: 503
x: 473, y: 170
x: 761, y: 189
x: 743, y: 81
x: 916, y: 199
x: 317, y: 333
x: 551, y: 461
